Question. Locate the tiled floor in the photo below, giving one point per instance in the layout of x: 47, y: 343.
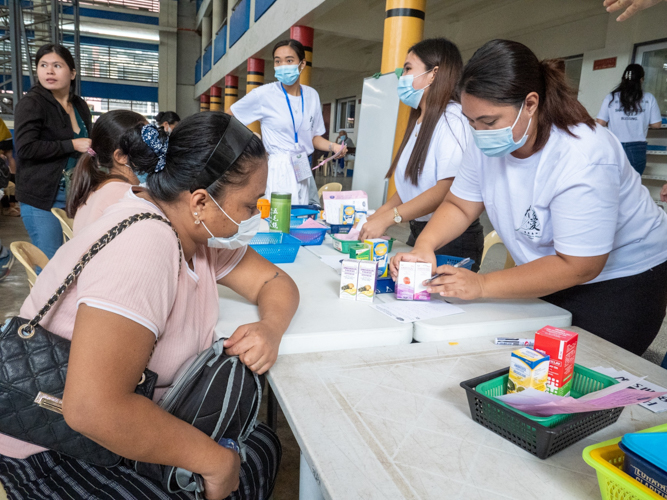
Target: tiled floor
x: 14, y: 290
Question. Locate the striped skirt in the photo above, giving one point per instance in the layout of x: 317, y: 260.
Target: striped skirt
x: 51, y: 476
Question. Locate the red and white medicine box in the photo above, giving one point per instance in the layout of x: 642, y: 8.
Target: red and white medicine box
x: 561, y: 346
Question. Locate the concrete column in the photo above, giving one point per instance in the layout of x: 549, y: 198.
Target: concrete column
x: 255, y: 79
x: 217, y: 15
x: 204, y: 102
x: 216, y: 98
x: 168, y: 55
x: 403, y: 27
x: 305, y: 35
x: 231, y: 91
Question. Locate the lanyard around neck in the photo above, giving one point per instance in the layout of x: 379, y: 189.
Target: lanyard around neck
x: 289, y: 106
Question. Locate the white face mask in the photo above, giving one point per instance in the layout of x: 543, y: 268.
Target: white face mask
x: 246, y: 232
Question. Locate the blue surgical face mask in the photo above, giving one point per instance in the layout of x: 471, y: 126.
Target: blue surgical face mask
x: 246, y: 232
x: 500, y: 142
x: 407, y: 93
x: 142, y: 178
x: 287, y: 74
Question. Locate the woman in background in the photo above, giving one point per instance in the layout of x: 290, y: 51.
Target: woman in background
x: 167, y: 120
x: 432, y: 149
x: 292, y: 124
x: 51, y: 127
x: 629, y: 112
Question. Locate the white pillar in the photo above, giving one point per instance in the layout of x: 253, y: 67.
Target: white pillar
x: 167, y: 55
x: 205, y: 32
x: 217, y: 15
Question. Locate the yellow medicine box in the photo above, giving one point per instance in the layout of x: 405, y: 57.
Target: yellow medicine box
x: 528, y: 368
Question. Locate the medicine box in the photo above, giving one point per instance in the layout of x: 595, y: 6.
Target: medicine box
x: 349, y: 277
x: 422, y: 273
x: 528, y: 369
x: 561, y: 347
x: 347, y: 215
x: 380, y: 254
x: 405, y: 283
x: 367, y: 280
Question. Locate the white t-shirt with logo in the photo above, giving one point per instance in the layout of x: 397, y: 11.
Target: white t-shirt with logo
x: 578, y: 196
x: 632, y: 127
x: 268, y: 105
x: 450, y: 139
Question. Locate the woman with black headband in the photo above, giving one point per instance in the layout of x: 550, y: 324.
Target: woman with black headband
x: 205, y: 179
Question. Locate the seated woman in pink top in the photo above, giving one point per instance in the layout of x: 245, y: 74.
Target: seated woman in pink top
x: 102, y: 176
x: 140, y: 290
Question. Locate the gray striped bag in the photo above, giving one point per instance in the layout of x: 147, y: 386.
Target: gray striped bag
x: 218, y: 395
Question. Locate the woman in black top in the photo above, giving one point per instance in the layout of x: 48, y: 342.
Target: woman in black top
x: 51, y: 129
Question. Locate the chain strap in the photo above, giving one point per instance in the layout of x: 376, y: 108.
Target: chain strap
x: 27, y: 330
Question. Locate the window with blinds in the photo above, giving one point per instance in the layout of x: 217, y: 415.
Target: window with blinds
x: 99, y: 106
x: 149, y: 5
x: 101, y: 61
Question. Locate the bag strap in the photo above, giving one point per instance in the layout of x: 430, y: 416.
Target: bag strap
x: 27, y: 330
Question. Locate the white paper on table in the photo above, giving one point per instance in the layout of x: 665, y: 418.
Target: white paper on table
x: 334, y: 261
x: 409, y: 311
x: 656, y: 405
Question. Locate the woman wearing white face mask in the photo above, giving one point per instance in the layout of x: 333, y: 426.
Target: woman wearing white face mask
x: 432, y: 149
x: 292, y: 125
x: 560, y: 191
x: 154, y: 291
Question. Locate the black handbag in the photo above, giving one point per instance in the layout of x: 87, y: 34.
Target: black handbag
x: 33, y: 369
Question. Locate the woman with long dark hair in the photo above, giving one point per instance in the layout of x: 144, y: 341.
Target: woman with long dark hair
x: 432, y: 149
x: 167, y: 120
x: 103, y: 175
x: 561, y: 194
x: 292, y: 125
x: 51, y: 128
x: 630, y: 112
x: 151, y: 299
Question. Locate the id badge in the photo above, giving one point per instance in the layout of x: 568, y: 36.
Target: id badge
x: 301, y: 166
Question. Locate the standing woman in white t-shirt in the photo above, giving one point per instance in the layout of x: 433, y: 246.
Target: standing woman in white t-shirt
x: 292, y: 125
x: 630, y: 112
x: 432, y: 149
x: 560, y: 192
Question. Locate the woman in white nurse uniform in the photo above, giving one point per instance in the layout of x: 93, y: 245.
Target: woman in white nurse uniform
x: 292, y: 125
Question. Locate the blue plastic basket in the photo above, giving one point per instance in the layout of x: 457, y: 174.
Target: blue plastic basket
x: 279, y: 248
x: 303, y: 213
x: 442, y: 260
x: 309, y: 235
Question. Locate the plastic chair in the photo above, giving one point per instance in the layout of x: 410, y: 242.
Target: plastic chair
x: 65, y: 223
x: 3, y: 494
x: 31, y: 257
x: 492, y: 239
x: 332, y: 186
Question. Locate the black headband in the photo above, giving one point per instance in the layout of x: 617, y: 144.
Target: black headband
x: 231, y: 145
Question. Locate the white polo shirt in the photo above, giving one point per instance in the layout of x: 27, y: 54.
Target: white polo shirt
x: 578, y: 196
x: 450, y: 139
x: 267, y: 104
x: 632, y: 127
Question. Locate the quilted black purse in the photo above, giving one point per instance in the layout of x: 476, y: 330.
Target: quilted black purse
x: 33, y: 368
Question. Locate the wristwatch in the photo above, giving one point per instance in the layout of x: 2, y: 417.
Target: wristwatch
x: 397, y: 217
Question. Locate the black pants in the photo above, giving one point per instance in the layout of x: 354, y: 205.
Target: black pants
x: 626, y: 311
x: 469, y: 244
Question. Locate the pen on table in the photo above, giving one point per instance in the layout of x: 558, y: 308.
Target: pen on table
x: 510, y: 341
x: 458, y: 264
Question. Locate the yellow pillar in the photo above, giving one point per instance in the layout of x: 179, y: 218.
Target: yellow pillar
x: 403, y: 27
x: 255, y: 79
x: 216, y: 98
x: 305, y: 35
x: 204, y: 102
x: 231, y: 91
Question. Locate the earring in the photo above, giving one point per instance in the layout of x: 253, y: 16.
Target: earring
x: 197, y: 221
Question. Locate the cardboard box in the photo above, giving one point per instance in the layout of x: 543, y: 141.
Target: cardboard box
x: 405, y: 283
x: 380, y: 254
x: 528, y: 369
x: 349, y: 277
x: 347, y: 214
x: 367, y: 280
x: 561, y: 347
x: 423, y: 272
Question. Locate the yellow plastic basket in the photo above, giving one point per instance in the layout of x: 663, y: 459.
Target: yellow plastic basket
x: 607, y: 460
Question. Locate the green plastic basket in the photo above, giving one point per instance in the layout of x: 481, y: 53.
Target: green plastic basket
x: 585, y: 381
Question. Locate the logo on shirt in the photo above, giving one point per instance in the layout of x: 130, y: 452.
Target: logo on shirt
x: 530, y: 226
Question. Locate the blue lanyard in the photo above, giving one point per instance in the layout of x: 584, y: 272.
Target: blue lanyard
x: 296, y: 134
